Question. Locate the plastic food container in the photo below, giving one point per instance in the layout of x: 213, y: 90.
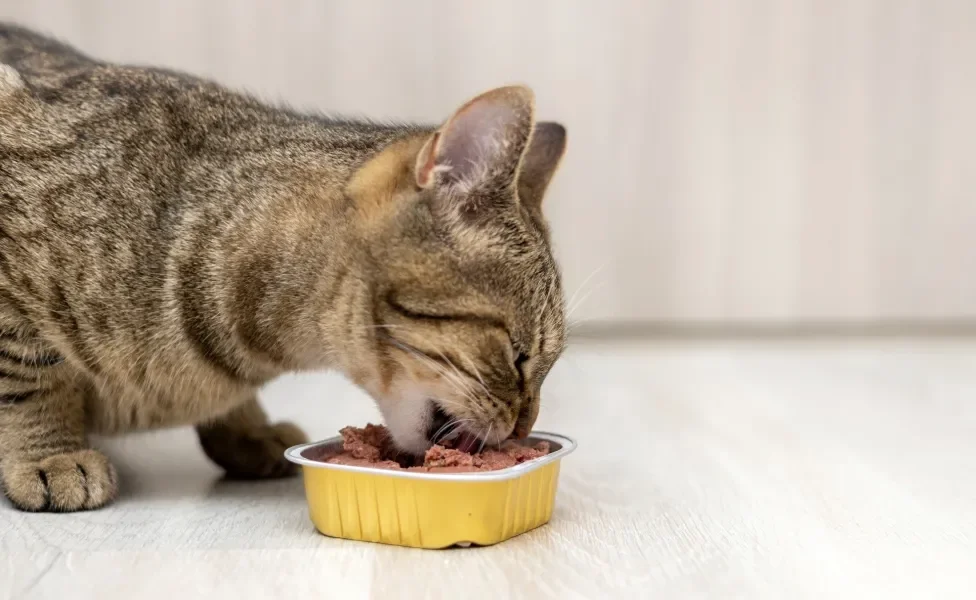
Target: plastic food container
x: 430, y: 510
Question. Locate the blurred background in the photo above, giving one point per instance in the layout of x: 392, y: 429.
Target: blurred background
x: 784, y: 164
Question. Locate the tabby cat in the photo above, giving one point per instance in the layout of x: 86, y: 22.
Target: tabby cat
x: 168, y: 246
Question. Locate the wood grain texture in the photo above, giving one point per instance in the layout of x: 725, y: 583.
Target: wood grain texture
x: 769, y: 160
x: 762, y: 470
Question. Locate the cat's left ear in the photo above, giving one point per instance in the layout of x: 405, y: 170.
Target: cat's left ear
x: 546, y: 150
x: 479, y: 147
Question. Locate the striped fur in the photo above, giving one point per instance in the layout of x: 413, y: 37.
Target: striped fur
x: 24, y: 366
x: 167, y: 246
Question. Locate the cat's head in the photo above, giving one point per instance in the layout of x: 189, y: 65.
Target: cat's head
x: 468, y: 310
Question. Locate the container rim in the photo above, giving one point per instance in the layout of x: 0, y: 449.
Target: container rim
x: 567, y: 446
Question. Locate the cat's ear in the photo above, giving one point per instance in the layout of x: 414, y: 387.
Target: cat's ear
x: 480, y: 146
x: 540, y: 162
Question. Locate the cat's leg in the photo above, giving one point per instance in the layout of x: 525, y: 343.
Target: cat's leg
x: 45, y: 462
x: 246, y: 446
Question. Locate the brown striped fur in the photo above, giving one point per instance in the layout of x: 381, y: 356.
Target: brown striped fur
x: 167, y: 246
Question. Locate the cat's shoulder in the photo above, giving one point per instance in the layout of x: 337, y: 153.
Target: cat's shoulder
x: 10, y: 80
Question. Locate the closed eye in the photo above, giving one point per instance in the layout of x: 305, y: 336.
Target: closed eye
x: 427, y: 315
x: 520, y: 359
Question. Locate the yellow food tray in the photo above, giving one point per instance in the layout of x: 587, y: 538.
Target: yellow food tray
x: 430, y: 510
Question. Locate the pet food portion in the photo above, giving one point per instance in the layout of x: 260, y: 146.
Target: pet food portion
x: 372, y: 446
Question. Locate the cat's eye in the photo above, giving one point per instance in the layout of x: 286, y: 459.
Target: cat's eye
x: 520, y: 359
x: 426, y: 314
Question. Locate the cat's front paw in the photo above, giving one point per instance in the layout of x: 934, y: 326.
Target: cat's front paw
x: 81, y: 480
x: 257, y: 453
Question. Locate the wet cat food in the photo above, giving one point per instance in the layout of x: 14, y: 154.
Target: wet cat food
x: 372, y: 446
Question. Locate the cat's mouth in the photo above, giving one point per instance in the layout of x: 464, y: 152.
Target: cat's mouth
x: 444, y: 429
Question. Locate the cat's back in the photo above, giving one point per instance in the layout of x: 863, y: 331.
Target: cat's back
x: 36, y: 57
x: 61, y: 79
x: 82, y: 142
x: 79, y: 135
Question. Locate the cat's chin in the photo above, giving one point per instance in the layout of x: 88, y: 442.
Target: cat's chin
x: 406, y: 416
x: 409, y: 441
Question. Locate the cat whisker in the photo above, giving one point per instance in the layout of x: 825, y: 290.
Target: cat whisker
x: 458, y: 384
x: 457, y: 428
x: 572, y: 309
x: 474, y: 369
x: 440, y: 369
x: 462, y: 384
x: 484, y: 439
x: 443, y: 429
x: 452, y: 404
x: 462, y: 376
x: 447, y: 360
x: 553, y: 286
x: 450, y: 363
x: 449, y: 430
x: 585, y: 281
x: 576, y: 324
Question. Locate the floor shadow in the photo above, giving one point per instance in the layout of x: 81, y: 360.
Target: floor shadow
x: 225, y: 487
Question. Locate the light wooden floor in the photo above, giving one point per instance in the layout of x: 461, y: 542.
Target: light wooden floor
x: 764, y: 469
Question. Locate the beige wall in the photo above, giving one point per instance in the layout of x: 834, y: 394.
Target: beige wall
x: 752, y: 160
